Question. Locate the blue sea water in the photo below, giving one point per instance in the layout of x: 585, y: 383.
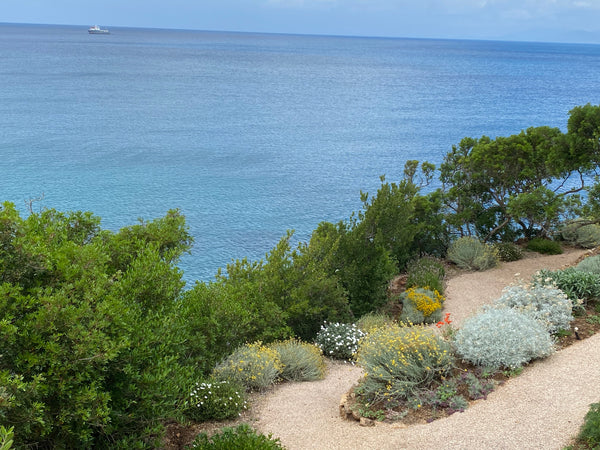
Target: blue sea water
x: 254, y: 134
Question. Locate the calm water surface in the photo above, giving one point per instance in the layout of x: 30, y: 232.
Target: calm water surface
x: 253, y: 134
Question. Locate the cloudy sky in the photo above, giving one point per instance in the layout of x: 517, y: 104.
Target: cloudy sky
x: 529, y: 20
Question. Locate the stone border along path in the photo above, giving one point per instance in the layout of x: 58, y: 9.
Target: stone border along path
x: 542, y: 408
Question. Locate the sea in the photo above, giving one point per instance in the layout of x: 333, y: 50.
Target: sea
x: 250, y: 134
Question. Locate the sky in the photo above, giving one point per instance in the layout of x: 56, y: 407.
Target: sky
x: 514, y: 20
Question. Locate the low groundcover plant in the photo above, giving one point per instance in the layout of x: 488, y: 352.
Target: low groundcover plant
x: 216, y: 400
x: 339, y: 340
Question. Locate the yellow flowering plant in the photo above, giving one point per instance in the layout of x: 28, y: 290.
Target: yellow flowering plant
x: 421, y: 305
x: 399, y: 361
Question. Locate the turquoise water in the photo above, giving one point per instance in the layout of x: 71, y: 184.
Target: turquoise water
x: 253, y: 134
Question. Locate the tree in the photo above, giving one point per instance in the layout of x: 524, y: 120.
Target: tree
x: 509, y: 187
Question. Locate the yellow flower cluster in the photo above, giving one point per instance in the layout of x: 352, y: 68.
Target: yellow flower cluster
x: 423, y: 301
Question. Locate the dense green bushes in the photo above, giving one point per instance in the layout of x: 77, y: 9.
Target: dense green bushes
x: 90, y: 355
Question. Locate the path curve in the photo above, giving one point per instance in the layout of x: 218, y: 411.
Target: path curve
x: 542, y: 408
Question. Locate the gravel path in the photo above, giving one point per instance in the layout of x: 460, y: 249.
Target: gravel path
x: 542, y: 408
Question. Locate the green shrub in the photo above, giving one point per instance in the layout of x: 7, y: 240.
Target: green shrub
x: 339, y: 340
x: 300, y: 361
x: 497, y: 338
x: 371, y: 321
x: 421, y: 305
x: 507, y: 251
x: 577, y: 285
x: 544, y: 246
x: 255, y: 366
x: 426, y: 271
x: 243, y: 437
x: 590, y: 431
x: 469, y: 253
x: 400, y: 361
x: 546, y: 304
x: 215, y: 400
x: 590, y: 264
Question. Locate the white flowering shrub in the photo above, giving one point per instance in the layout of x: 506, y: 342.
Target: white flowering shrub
x: 545, y: 303
x: 502, y: 337
x: 215, y: 400
x: 339, y: 340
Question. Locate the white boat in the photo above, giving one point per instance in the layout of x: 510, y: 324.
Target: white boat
x: 97, y: 30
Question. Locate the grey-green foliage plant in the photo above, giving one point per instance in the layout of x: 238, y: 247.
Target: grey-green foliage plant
x: 590, y: 264
x: 582, y: 235
x: 544, y: 303
x: 300, y: 361
x: 469, y: 253
x: 502, y: 338
x: 579, y: 286
x: 339, y: 340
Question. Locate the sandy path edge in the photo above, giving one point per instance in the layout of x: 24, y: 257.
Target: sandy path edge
x: 542, y: 408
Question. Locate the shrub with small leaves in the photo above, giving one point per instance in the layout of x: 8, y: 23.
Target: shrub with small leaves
x: 590, y: 431
x: 426, y: 271
x: 547, y: 304
x: 339, y: 340
x: 497, y: 338
x: 401, y: 361
x: 215, y: 400
x: 469, y: 253
x: 590, y: 264
x: 371, y: 321
x: 544, y: 246
x: 421, y: 305
x: 300, y: 361
x: 255, y: 366
x: 242, y: 437
x: 507, y: 251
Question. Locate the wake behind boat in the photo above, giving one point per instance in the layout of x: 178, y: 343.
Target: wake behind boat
x: 97, y: 30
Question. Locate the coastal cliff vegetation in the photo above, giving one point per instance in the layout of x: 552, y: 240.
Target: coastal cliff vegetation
x: 101, y: 342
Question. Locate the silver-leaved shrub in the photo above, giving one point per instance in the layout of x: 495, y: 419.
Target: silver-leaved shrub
x: 545, y: 303
x: 502, y: 338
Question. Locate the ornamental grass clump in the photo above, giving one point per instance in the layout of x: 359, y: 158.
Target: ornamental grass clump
x: 421, y: 305
x: 547, y: 304
x: 372, y: 321
x: 339, y: 340
x: 426, y: 271
x: 590, y: 264
x: 215, y: 400
x: 255, y: 366
x: 300, y: 361
x: 502, y: 338
x: 469, y: 253
x: 401, y: 361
